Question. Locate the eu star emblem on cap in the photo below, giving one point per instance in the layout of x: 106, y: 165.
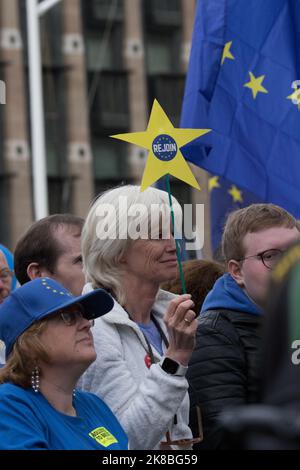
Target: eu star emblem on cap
x: 40, y: 298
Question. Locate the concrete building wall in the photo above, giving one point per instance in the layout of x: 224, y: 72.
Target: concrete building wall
x: 134, y: 55
x: 79, y: 155
x: 16, y: 148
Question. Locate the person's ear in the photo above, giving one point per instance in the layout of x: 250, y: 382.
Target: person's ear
x: 34, y: 271
x: 234, y: 268
x: 122, y: 259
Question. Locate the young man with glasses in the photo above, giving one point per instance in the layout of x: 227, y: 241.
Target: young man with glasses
x: 224, y: 367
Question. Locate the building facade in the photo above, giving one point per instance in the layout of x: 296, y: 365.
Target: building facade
x: 104, y: 61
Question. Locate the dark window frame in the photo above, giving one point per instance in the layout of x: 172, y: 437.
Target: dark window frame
x: 60, y: 194
x: 102, y: 185
x: 105, y: 115
x: 90, y: 18
x: 163, y: 14
x: 167, y: 95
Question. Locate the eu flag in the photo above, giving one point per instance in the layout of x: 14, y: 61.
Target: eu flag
x: 243, y: 82
x: 225, y: 197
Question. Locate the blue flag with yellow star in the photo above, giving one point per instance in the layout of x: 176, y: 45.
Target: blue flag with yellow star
x: 225, y: 197
x: 244, y: 83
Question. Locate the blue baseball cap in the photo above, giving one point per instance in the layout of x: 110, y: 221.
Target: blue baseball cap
x: 42, y: 297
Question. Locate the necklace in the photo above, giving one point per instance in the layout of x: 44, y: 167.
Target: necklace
x: 149, y: 359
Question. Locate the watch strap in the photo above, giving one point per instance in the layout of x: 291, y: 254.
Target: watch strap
x: 173, y: 367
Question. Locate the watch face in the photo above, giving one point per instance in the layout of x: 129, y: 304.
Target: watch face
x: 169, y: 365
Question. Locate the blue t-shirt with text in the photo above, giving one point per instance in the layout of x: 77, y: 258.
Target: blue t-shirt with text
x: 29, y: 422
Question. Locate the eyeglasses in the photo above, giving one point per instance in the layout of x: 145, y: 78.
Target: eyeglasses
x: 187, y: 443
x: 72, y: 315
x: 6, y: 275
x: 268, y: 257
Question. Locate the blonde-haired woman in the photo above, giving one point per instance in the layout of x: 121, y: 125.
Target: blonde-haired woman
x: 144, y: 344
x: 48, y: 346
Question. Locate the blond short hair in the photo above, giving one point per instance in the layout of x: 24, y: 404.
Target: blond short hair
x: 251, y: 219
x: 101, y: 254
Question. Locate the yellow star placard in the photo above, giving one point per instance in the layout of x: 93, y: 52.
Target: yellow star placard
x: 163, y: 141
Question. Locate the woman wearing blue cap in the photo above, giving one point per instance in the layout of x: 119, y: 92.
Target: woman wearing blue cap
x: 49, y: 345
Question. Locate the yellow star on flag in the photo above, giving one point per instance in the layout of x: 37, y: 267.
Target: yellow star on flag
x: 255, y: 85
x: 163, y: 142
x: 295, y: 97
x: 235, y: 193
x: 226, y: 52
x: 213, y: 182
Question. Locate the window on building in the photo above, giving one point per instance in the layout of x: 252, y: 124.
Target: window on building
x: 51, y: 31
x: 104, y: 47
x: 107, y: 88
x: 60, y: 194
x: 110, y: 160
x: 98, y: 56
x: 162, y: 51
x: 102, y: 185
x: 54, y: 106
x: 99, y: 11
x: 59, y: 183
x: 166, y: 13
x: 110, y: 109
x: 168, y: 89
x: 162, y: 21
x: 159, y: 55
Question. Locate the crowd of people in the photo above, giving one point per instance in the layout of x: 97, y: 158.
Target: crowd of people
x: 101, y: 350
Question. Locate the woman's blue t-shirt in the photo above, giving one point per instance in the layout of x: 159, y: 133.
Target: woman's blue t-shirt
x: 29, y: 422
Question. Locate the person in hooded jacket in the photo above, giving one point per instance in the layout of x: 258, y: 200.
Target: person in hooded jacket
x: 225, y: 366
x: 274, y: 423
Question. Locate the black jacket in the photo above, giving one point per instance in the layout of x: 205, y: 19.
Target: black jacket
x: 224, y: 369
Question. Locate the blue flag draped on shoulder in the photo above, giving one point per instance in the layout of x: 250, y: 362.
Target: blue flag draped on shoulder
x: 244, y: 83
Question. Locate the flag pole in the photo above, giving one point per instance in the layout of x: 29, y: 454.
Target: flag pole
x: 176, y: 240
x: 37, y: 126
x: 44, y: 6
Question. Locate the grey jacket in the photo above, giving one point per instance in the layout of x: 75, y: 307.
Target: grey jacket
x: 144, y: 400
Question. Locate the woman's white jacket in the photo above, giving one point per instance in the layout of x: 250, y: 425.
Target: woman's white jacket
x: 147, y: 402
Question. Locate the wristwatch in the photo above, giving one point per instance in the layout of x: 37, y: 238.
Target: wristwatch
x: 172, y: 367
